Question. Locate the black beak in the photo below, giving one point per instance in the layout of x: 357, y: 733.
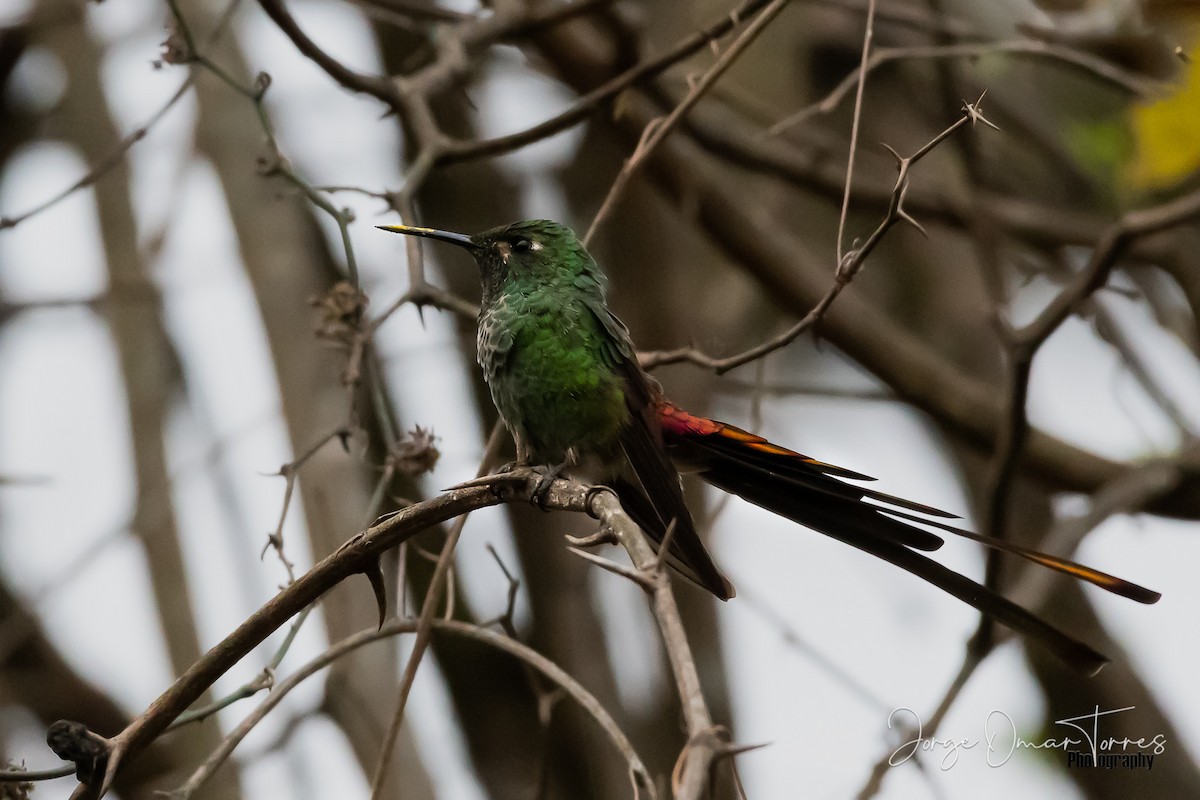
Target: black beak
x: 460, y: 239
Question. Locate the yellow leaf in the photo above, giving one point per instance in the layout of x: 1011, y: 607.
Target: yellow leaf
x: 1167, y: 134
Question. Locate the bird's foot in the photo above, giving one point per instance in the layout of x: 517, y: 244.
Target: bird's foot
x: 541, y: 492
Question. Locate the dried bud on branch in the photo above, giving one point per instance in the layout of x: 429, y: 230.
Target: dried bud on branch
x: 416, y: 454
x: 340, y: 313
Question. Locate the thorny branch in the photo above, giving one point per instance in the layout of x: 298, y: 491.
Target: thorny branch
x: 1138, y: 487
x: 704, y: 745
x: 868, y: 39
x: 358, y: 555
x: 850, y: 265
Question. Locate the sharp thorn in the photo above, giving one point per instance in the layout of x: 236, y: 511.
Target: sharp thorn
x: 904, y: 215
x: 989, y: 123
x: 972, y: 111
x: 602, y: 536
x: 899, y: 158
x: 374, y: 573
x: 729, y: 751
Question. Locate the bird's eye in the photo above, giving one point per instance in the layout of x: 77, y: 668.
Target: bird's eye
x: 521, y: 246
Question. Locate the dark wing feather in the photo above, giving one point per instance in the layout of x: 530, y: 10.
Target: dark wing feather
x: 661, y: 492
x: 732, y: 442
x: 802, y: 496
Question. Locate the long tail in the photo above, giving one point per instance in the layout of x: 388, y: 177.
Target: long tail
x: 816, y: 495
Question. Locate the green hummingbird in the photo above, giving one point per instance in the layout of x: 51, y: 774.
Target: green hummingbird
x: 564, y: 375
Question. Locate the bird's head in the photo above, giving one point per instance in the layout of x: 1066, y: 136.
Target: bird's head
x: 536, y: 251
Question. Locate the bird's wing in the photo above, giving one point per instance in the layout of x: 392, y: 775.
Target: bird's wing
x: 660, y: 490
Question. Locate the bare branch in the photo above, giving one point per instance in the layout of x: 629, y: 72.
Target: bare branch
x: 1077, y: 58
x: 868, y: 37
x: 398, y: 626
x: 117, y: 154
x: 355, y: 557
x: 586, y: 105
x: 375, y: 85
x: 848, y: 267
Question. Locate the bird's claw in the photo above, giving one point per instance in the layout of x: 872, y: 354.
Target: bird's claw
x: 541, y: 492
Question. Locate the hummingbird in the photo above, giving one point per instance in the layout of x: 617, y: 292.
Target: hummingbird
x: 565, y: 377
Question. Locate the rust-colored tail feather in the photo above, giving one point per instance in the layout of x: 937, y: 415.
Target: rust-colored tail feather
x: 816, y: 495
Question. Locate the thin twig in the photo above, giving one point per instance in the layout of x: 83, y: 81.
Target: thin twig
x: 868, y: 37
x: 656, y: 132
x: 264, y: 680
x: 101, y: 167
x: 1093, y: 64
x: 846, y: 270
x: 33, y: 776
x: 291, y: 472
